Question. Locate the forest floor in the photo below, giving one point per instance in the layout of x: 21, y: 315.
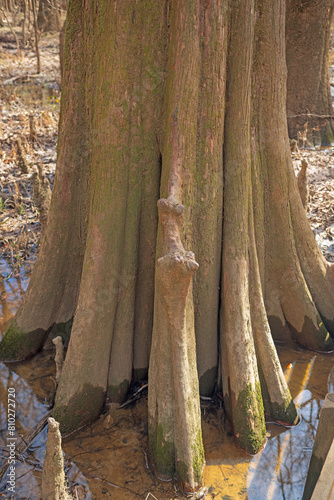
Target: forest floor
x: 29, y: 105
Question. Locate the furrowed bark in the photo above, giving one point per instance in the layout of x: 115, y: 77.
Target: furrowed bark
x: 175, y: 434
x: 276, y: 396
x: 241, y: 384
x: 204, y: 188
x: 123, y: 154
x: 134, y: 314
x: 288, y: 300
x: 52, y: 294
x: 173, y: 380
x: 143, y: 119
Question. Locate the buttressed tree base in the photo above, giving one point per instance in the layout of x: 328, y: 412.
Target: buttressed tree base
x: 182, y: 102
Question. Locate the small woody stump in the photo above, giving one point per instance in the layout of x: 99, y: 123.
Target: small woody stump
x: 53, y: 477
x: 302, y: 183
x: 42, y: 195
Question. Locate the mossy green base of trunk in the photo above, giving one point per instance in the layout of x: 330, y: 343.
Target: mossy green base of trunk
x: 286, y: 413
x: 82, y: 408
x: 118, y: 393
x: 250, y: 407
x: 162, y: 452
x: 164, y: 458
x: 17, y: 344
x: 198, y: 464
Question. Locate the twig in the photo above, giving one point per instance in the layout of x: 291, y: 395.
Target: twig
x: 37, y: 35
x: 311, y: 115
x: 11, y: 80
x: 133, y: 397
x: 13, y: 33
x: 148, y: 494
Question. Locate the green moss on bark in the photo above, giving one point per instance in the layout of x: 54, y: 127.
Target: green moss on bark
x: 163, y: 451
x: 249, y: 424
x: 182, y: 469
x: 284, y: 413
x: 82, y: 408
x: 117, y: 393
x: 17, y: 344
x: 199, y: 459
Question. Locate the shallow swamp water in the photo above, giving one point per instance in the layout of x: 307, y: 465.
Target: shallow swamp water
x: 108, y: 459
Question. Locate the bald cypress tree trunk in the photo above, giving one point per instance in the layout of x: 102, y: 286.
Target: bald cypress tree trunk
x: 182, y: 102
x: 309, y: 101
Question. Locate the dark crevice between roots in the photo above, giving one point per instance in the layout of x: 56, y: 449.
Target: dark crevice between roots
x: 317, y: 339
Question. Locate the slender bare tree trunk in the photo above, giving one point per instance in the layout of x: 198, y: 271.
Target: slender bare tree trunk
x: 37, y: 35
x: 309, y: 101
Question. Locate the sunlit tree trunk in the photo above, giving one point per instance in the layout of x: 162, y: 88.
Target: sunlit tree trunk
x: 181, y: 106
x: 309, y: 101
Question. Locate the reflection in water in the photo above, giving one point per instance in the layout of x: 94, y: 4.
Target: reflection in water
x: 12, y: 288
x: 331, y: 381
x: 27, y: 379
x: 278, y: 461
x: 111, y: 461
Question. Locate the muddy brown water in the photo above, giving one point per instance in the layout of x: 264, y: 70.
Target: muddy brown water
x: 108, y: 459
